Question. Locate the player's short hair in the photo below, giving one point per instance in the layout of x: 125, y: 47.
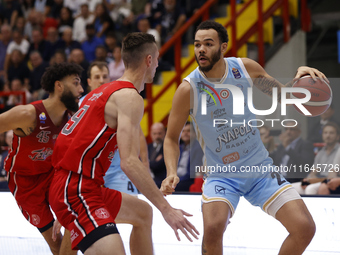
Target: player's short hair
x: 332, y: 124
x: 100, y: 64
x: 221, y: 30
x: 135, y: 47
x: 57, y: 72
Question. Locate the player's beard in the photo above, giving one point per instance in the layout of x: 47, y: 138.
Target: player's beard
x: 69, y: 100
x: 214, y: 59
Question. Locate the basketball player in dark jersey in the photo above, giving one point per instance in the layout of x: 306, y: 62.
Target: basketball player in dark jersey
x: 36, y: 127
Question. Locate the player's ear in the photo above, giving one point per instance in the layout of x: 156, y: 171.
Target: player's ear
x: 224, y: 47
x: 148, y: 60
x: 58, y: 86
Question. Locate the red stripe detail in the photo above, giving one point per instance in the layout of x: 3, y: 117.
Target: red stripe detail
x: 213, y: 90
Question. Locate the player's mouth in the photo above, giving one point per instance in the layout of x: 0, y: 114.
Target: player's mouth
x: 203, y: 59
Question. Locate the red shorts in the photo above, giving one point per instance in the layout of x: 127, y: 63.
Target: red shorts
x: 31, y: 193
x: 83, y: 207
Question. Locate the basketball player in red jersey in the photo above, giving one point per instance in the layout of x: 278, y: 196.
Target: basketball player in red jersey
x: 36, y: 127
x: 110, y: 116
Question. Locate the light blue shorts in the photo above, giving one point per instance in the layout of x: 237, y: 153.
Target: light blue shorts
x: 116, y: 179
x: 258, y: 191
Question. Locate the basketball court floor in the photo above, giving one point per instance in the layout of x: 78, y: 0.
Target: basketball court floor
x: 251, y: 232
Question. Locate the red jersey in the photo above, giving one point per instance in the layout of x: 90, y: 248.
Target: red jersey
x: 86, y: 144
x: 31, y: 155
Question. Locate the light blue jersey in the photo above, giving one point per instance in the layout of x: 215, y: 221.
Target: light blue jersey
x: 235, y: 157
x: 116, y: 179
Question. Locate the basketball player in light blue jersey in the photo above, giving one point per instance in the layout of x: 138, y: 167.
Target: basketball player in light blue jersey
x: 235, y: 145
x: 115, y: 178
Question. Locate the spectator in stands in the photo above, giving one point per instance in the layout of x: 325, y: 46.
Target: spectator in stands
x: 3, y: 155
x: 43, y: 6
x: 77, y: 56
x: 34, y: 19
x: 293, y: 152
x: 101, y: 54
x: 172, y: 18
x: 267, y: 139
x: 116, y: 67
x: 315, y: 133
x: 143, y: 25
x: 121, y: 14
x: 13, y: 100
x: 20, y: 25
x: 17, y: 68
x: 65, y: 20
x: 191, y: 155
x: 56, y: 8
x: 323, y: 161
x: 67, y: 43
x: 26, y: 7
x: 39, y: 66
x: 155, y: 151
x: 138, y: 7
x: 18, y: 43
x: 58, y: 57
x: 110, y: 44
x: 332, y: 184
x: 102, y: 22
x: 53, y: 39
x: 40, y: 44
x: 73, y: 6
x: 5, y: 39
x: 89, y: 46
x: 79, y: 25
x: 10, y: 10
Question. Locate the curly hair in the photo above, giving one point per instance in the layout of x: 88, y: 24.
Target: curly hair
x: 135, y: 47
x: 221, y: 31
x: 57, y: 72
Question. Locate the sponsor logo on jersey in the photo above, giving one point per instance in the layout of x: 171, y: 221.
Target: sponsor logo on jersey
x: 110, y: 225
x: 94, y: 97
x: 224, y: 93
x: 41, y: 128
x: 249, y: 148
x: 218, y: 113
x: 236, y: 73
x: 35, y: 219
x: 211, y: 99
x: 41, y: 154
x: 232, y: 135
x: 74, y: 235
x: 232, y: 157
x: 102, y: 213
x: 111, y: 155
x: 220, y: 189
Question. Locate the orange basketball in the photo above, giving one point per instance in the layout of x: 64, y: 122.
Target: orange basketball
x: 321, y: 95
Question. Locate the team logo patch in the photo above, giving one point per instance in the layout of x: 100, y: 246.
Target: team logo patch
x: 102, y: 213
x: 232, y: 157
x: 35, y: 219
x: 42, y: 116
x: 236, y: 73
x: 219, y: 190
x: 224, y: 93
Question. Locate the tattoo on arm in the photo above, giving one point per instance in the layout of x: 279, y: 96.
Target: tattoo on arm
x: 266, y: 85
x: 204, y: 250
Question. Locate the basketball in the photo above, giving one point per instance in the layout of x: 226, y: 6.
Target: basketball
x: 321, y: 95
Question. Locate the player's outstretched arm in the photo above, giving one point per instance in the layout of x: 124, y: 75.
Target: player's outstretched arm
x: 19, y: 117
x: 129, y: 107
x: 178, y: 116
x: 264, y: 82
